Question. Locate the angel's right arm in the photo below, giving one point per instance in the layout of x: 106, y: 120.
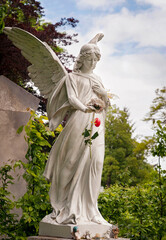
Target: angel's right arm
x: 72, y: 98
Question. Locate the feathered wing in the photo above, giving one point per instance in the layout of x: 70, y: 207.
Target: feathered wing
x: 46, y: 69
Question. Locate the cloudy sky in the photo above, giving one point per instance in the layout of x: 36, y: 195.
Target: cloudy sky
x: 133, y: 63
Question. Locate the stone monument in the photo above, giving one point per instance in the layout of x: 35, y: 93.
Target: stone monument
x: 14, y: 101
x: 74, y: 166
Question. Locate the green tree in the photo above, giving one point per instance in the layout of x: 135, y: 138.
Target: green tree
x: 125, y: 158
x: 159, y: 150
x: 158, y: 108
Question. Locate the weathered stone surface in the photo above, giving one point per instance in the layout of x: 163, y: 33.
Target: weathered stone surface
x: 15, y: 98
x: 14, y: 102
x: 64, y: 231
x: 53, y: 238
x: 45, y: 238
x: 49, y: 227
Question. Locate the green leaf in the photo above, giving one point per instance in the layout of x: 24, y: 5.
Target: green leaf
x: 87, y: 141
x: 20, y: 129
x: 30, y: 209
x: 86, y: 133
x: 95, y: 135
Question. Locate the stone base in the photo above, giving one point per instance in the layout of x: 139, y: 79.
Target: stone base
x: 48, y: 227
x: 53, y: 238
x: 64, y: 231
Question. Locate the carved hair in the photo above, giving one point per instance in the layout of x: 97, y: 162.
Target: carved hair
x: 87, y: 50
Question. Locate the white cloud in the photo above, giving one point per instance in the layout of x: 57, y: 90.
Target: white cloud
x: 147, y: 69
x: 157, y: 3
x: 147, y: 28
x: 104, y: 4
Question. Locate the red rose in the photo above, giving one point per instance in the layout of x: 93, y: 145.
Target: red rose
x: 97, y: 122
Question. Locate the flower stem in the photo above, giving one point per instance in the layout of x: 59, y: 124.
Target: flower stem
x: 91, y: 128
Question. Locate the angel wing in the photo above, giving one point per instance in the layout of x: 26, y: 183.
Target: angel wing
x: 46, y: 69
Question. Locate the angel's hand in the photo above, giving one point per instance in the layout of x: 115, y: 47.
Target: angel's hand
x: 99, y: 110
x: 90, y: 109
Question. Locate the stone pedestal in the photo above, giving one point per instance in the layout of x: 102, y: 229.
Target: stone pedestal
x: 49, y: 227
x: 64, y: 231
x: 53, y: 238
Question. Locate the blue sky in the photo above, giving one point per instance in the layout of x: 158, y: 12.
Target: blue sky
x: 55, y: 9
x: 133, y: 63
x: 84, y: 11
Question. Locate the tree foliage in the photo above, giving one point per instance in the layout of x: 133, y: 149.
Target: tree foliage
x: 125, y: 158
x: 136, y: 210
x: 159, y: 148
x: 8, y: 221
x: 158, y: 107
x: 27, y: 15
x: 35, y: 203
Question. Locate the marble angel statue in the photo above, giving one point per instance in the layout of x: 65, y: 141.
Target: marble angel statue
x: 75, y: 176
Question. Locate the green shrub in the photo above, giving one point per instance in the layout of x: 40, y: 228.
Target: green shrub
x: 140, y: 211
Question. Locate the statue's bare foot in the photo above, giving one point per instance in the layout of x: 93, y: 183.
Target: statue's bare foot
x: 96, y: 219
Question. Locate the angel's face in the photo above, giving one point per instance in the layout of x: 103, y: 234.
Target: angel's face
x: 89, y: 63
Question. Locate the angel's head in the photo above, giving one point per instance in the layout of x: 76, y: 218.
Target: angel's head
x: 89, y: 56
x: 87, y: 59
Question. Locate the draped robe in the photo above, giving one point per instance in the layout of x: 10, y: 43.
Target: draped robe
x: 75, y: 177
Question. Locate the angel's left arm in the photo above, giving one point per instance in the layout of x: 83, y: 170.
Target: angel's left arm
x: 99, y: 89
